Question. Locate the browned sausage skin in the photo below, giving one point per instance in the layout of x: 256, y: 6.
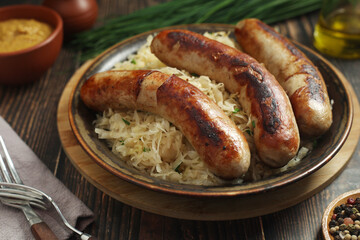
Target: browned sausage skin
x: 295, y: 72
x: 276, y: 134
x: 213, y: 135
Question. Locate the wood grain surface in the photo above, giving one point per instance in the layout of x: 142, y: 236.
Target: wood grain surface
x: 31, y: 111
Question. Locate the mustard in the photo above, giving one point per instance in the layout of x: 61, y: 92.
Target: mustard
x: 18, y: 34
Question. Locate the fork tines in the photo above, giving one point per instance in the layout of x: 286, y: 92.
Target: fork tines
x: 7, y: 167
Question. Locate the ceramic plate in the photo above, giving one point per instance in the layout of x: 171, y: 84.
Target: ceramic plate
x: 81, y: 120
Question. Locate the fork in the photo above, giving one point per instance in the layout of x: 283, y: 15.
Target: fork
x: 18, y: 194
x: 10, y: 195
x: 39, y: 228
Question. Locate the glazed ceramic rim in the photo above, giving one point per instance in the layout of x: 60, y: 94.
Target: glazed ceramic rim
x: 207, y: 191
x: 58, y: 27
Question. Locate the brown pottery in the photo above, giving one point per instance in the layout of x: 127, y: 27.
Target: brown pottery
x: 77, y: 15
x: 28, y: 65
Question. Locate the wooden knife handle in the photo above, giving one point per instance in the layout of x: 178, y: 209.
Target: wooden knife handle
x: 41, y: 231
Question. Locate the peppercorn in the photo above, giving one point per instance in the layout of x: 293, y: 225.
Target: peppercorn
x: 333, y: 223
x: 340, y: 215
x: 337, y: 209
x: 332, y: 230
x: 345, y: 221
x: 347, y: 237
x: 348, y: 211
x: 351, y: 200
x: 348, y: 221
x: 350, y: 227
x: 342, y: 227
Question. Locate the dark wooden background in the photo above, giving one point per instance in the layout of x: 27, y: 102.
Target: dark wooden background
x: 31, y: 111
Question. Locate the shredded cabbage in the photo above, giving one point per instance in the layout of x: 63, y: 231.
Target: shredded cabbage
x: 152, y: 144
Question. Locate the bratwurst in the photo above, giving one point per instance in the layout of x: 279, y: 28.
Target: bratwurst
x: 218, y: 141
x: 299, y: 77
x: 276, y: 133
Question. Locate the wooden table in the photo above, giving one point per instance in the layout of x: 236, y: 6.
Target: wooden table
x: 31, y: 111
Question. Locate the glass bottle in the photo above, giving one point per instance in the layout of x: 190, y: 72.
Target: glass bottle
x: 337, y: 32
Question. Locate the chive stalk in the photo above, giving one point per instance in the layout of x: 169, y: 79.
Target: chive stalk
x: 176, y: 12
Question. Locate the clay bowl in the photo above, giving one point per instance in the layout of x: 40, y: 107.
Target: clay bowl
x: 77, y: 15
x: 28, y: 65
x: 342, y: 199
x: 81, y: 119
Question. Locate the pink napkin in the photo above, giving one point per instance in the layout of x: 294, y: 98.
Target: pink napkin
x: 13, y: 224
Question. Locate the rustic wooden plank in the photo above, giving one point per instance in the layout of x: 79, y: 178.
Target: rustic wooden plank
x: 31, y: 111
x: 154, y: 226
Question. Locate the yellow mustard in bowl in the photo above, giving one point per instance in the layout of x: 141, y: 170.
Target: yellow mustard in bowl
x: 18, y: 34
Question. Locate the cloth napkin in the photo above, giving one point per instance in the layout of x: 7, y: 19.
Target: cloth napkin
x: 32, y: 171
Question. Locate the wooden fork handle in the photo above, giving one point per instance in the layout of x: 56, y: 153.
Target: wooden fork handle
x: 41, y: 231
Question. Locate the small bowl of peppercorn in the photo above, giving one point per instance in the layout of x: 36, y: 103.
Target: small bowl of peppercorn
x: 341, y: 220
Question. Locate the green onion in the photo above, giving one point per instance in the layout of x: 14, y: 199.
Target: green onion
x: 177, y: 12
x: 126, y: 122
x: 253, y: 123
x: 146, y: 149
x: 315, y: 143
x: 195, y: 75
x: 236, y: 110
x: 133, y: 61
x: 249, y: 132
x: 177, y: 168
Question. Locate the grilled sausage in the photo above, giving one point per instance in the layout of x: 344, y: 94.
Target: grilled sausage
x: 213, y: 135
x: 276, y: 134
x: 295, y: 72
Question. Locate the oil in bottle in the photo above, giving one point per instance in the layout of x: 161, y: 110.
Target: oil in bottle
x: 338, y: 33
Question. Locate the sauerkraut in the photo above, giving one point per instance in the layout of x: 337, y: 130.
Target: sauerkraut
x: 153, y: 145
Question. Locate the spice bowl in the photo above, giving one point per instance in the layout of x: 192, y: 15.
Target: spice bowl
x: 328, y: 216
x: 29, y: 64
